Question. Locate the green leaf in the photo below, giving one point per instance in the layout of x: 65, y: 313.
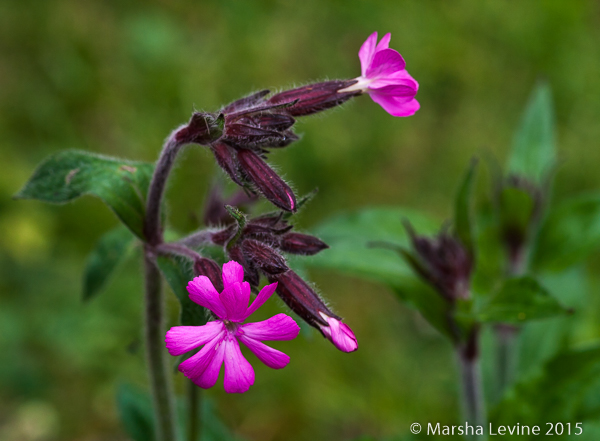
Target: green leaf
x: 561, y: 392
x: 534, y: 152
x: 349, y: 236
x: 463, y: 224
x: 519, y: 299
x: 516, y: 210
x: 135, y: 411
x: 109, y: 252
x: 569, y: 234
x: 178, y: 272
x: 121, y: 184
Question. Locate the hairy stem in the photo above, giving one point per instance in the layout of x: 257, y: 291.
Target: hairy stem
x: 164, y: 413
x: 178, y: 249
x: 472, y: 389
x: 194, y: 406
x: 152, y: 227
x: 203, y: 237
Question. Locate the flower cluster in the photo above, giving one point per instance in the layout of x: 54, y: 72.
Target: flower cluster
x: 240, y: 133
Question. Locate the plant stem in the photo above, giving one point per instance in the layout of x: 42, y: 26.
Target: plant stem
x: 152, y: 227
x: 164, y: 413
x: 194, y: 395
x: 472, y: 388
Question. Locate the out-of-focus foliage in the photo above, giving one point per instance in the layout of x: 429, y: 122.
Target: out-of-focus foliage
x: 115, y: 77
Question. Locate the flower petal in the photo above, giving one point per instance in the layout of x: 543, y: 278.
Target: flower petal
x: 181, y: 339
x: 278, y: 327
x: 271, y: 357
x: 261, y: 298
x: 204, y: 293
x: 239, y: 375
x: 400, y: 77
x: 384, y: 43
x: 395, y: 106
x: 396, y: 90
x: 195, y: 366
x: 209, y: 377
x: 233, y: 272
x: 385, y: 62
x: 365, y: 54
x: 235, y: 299
x: 340, y: 335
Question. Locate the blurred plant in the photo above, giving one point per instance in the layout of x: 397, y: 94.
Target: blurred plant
x: 239, y: 135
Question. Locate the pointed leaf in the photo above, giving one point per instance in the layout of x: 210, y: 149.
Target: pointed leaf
x: 121, y: 184
x: 178, y: 272
x: 109, y: 252
x: 534, y: 152
x: 135, y: 411
x: 520, y: 299
x: 569, y: 234
x: 463, y: 223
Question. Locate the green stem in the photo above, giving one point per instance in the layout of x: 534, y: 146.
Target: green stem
x: 194, y: 395
x: 473, y: 403
x: 164, y: 409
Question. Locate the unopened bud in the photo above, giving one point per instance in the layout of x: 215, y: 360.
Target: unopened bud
x: 226, y: 160
x: 250, y: 272
x: 209, y: 268
x: 314, y: 98
x: 245, y: 103
x: 266, y: 180
x: 304, y: 244
x: 264, y: 257
x: 203, y: 129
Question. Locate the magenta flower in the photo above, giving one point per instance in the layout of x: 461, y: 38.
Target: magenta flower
x: 221, y: 337
x: 384, y: 77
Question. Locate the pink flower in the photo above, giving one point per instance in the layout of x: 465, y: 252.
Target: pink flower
x: 221, y: 337
x: 384, y: 77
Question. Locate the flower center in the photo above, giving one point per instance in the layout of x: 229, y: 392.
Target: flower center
x: 232, y: 327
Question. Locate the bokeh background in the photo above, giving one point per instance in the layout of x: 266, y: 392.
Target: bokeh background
x: 116, y: 77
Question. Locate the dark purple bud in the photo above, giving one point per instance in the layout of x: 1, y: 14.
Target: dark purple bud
x: 446, y: 264
x: 226, y: 160
x: 304, y: 244
x: 250, y: 272
x: 246, y: 102
x: 209, y: 268
x: 203, y: 129
x: 266, y: 180
x: 314, y: 98
x: 301, y: 298
x: 222, y: 237
x: 244, y: 135
x: 264, y: 257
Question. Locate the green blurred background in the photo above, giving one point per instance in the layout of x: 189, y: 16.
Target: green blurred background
x: 116, y: 77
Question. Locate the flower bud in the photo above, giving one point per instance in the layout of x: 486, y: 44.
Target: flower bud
x: 250, y: 272
x: 446, y: 264
x: 247, y: 102
x: 266, y: 180
x: 264, y: 257
x: 226, y: 160
x: 314, y: 98
x: 203, y: 129
x: 304, y: 244
x: 209, y: 268
x: 305, y: 302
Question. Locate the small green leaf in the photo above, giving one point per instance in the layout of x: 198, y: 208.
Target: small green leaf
x: 109, y: 252
x: 561, y: 392
x: 135, y: 411
x: 516, y: 210
x: 569, y: 234
x: 178, y: 272
x: 520, y: 299
x: 534, y: 152
x: 67, y: 175
x: 463, y: 224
